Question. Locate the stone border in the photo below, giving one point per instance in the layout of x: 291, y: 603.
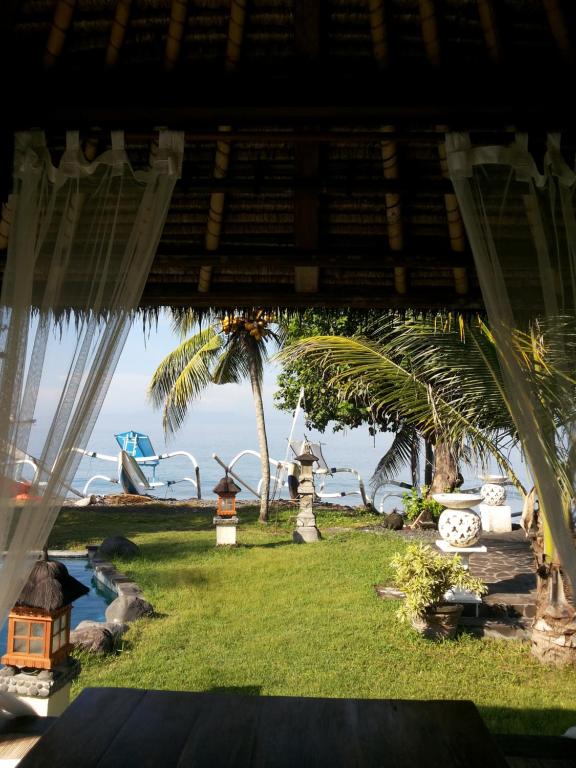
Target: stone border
x: 114, y: 580
x: 104, y: 572
x: 123, y: 587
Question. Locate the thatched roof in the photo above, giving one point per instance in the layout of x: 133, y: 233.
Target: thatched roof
x: 50, y: 587
x: 330, y: 188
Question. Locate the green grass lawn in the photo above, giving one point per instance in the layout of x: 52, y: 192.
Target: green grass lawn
x: 273, y: 618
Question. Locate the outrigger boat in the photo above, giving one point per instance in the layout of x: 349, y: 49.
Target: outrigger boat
x: 136, y: 451
x: 286, y: 473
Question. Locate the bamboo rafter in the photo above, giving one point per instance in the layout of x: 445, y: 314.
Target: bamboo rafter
x: 61, y: 23
x: 236, y: 26
x: 558, y: 28
x: 490, y: 30
x: 178, y: 17
x: 117, y: 32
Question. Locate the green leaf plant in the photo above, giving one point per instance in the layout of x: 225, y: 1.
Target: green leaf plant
x: 425, y: 576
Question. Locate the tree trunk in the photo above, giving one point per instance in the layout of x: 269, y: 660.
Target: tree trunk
x: 428, y: 462
x: 554, y: 630
x: 446, y: 474
x: 262, y: 444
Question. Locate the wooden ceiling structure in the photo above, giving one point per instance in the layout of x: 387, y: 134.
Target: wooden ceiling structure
x: 314, y: 170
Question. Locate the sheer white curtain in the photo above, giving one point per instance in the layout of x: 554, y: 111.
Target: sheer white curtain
x: 81, y: 244
x: 521, y: 222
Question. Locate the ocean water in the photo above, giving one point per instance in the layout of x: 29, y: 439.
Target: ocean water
x: 218, y: 434
x: 221, y: 422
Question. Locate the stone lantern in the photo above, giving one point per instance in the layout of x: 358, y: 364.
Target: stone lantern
x: 226, y: 520
x: 306, y: 530
x: 38, y: 669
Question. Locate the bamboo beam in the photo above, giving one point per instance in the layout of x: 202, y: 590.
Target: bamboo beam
x: 61, y: 23
x: 465, y: 100
x: 308, y: 38
x: 306, y: 217
x: 179, y: 257
x: 429, y: 28
x: 117, y: 32
x: 456, y: 231
x: 176, y: 27
x: 394, y: 212
x: 375, y: 296
x: 379, y: 31
x: 236, y: 27
x: 559, y: 29
x: 489, y: 25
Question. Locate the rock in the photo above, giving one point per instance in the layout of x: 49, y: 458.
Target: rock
x: 128, y: 608
x: 86, y: 501
x: 394, y: 521
x: 95, y: 639
x: 570, y: 733
x: 115, y: 627
x: 118, y: 546
x: 9, y: 671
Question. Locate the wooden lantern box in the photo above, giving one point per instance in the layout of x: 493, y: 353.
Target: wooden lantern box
x: 36, y: 638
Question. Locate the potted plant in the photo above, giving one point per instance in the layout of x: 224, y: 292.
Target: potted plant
x: 425, y: 576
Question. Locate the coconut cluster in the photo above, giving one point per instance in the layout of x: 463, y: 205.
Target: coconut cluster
x: 254, y: 324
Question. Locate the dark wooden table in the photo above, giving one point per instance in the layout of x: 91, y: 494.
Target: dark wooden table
x: 125, y: 728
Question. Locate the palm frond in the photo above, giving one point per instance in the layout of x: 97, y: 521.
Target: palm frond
x: 391, y: 376
x: 183, y: 375
x: 405, y: 446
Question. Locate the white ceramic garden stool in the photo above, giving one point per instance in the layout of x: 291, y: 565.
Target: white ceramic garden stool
x: 459, y: 525
x: 495, y: 514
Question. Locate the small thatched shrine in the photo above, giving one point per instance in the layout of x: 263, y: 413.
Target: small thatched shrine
x: 39, y: 623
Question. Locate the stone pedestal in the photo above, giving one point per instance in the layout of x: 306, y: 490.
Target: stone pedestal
x: 464, y: 552
x: 496, y: 519
x: 456, y: 595
x: 306, y: 531
x: 46, y: 691
x: 226, y: 531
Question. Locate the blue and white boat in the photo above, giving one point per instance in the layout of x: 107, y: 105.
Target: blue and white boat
x: 137, y: 451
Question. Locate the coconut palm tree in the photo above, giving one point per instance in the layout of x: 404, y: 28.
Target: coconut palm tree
x: 216, y: 348
x: 442, y: 381
x: 447, y: 383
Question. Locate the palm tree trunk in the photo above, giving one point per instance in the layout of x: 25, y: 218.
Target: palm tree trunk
x: 554, y: 630
x: 428, y: 463
x: 445, y: 468
x: 262, y: 443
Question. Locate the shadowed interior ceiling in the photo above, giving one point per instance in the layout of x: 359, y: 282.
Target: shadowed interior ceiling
x: 314, y: 170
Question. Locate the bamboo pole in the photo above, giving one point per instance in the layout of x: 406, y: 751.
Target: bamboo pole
x: 61, y: 23
x: 558, y: 28
x: 178, y: 16
x: 490, y: 30
x: 429, y: 28
x: 223, y: 148
x: 117, y: 32
x: 455, y: 225
x: 379, y: 31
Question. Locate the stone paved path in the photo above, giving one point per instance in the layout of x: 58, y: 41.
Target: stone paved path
x: 508, y: 570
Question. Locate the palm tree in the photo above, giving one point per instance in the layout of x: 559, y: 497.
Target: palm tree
x: 447, y: 382
x: 438, y: 379
x: 216, y: 348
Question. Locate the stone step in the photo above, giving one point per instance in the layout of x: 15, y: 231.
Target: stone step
x: 509, y: 604
x: 506, y: 628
